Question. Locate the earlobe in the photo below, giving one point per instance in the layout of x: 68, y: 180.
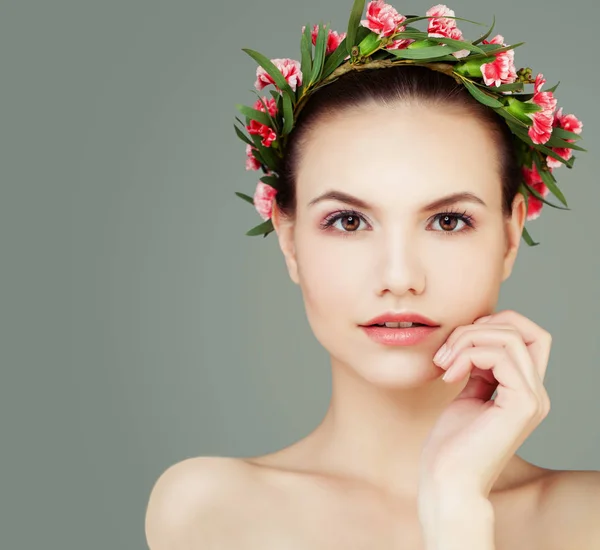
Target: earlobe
x: 284, y: 229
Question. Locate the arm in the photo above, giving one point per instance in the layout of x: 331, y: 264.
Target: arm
x: 453, y: 520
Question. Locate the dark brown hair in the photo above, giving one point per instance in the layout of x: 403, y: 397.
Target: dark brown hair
x: 389, y: 85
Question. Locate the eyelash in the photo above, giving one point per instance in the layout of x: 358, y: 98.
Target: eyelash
x: 334, y: 216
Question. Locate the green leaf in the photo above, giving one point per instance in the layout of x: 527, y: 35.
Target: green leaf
x: 538, y: 196
x: 335, y: 59
x: 482, y: 97
x: 458, y: 44
x: 493, y: 49
x: 507, y: 87
x: 410, y: 20
x: 306, y: 59
x: 565, y: 134
x: 555, y: 141
x: 271, y: 69
x: 353, y: 24
x: 513, y: 120
x: 265, y: 227
x: 274, y: 123
x: 320, y: 47
x: 270, y: 158
x: 242, y: 136
x: 273, y: 181
x: 288, y: 114
x: 416, y: 35
x: 553, y: 89
x: 549, y: 180
x: 245, y: 197
x: 430, y: 53
x: 482, y: 38
x: 255, y: 114
x: 528, y: 238
x: 550, y: 153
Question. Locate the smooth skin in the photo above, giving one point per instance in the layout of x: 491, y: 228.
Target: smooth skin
x: 355, y: 480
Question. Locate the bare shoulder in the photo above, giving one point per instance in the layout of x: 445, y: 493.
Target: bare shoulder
x: 189, y: 495
x: 570, y: 508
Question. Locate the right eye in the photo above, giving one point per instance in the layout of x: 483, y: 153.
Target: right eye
x: 350, y: 221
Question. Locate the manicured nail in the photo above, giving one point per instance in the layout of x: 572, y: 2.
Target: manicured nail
x: 440, y: 353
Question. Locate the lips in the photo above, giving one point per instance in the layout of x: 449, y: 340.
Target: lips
x: 405, y: 317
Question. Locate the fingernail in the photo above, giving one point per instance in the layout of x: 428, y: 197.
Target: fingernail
x: 440, y: 353
x: 484, y: 319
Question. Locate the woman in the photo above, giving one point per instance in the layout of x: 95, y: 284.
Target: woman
x: 398, y: 200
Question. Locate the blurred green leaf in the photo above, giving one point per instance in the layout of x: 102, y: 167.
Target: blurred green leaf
x: 429, y: 53
x: 306, y: 59
x: 320, y: 48
x: 459, y: 44
x: 335, y: 59
x: 269, y: 157
x: 273, y: 181
x: 245, y: 197
x: 480, y: 96
x: 528, y: 238
x: 549, y: 180
x: 274, y: 123
x: 254, y: 114
x: 538, y: 196
x: 288, y: 114
x: 353, y: 24
x: 484, y: 37
x: 493, y: 49
x: 410, y: 20
x: 265, y: 227
x: 242, y: 136
x: 271, y: 69
x: 565, y: 134
x: 555, y: 141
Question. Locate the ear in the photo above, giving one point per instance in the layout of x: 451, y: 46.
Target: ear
x: 514, y: 232
x: 284, y: 229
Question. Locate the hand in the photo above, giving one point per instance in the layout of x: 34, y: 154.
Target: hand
x: 475, y: 437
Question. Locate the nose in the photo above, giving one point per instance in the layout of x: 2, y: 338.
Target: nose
x: 400, y: 268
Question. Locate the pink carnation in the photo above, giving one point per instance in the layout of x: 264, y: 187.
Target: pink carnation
x: 534, y: 180
x: 334, y: 39
x: 289, y: 68
x: 440, y: 26
x: 541, y: 130
x: 266, y: 132
x: 264, y: 197
x: 570, y: 123
x: 502, y: 70
x: 251, y: 162
x: 382, y: 18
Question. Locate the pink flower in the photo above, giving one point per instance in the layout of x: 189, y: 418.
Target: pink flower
x: 502, y: 69
x: 289, y: 68
x: 440, y: 26
x: 399, y: 43
x: 264, y: 197
x: 541, y: 130
x: 382, y: 18
x: 251, y: 162
x: 570, y: 123
x: 266, y: 132
x: 334, y: 39
x: 534, y: 180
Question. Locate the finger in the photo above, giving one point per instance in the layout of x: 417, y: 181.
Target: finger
x: 488, y: 358
x: 537, y: 339
x: 503, y: 336
x: 514, y: 394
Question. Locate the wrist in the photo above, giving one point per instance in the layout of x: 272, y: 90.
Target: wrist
x: 453, y: 520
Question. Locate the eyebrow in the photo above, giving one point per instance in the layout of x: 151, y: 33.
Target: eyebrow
x: 453, y: 198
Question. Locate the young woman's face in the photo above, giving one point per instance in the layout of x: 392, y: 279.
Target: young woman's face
x: 366, y: 239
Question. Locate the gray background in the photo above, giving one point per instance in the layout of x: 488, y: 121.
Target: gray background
x: 140, y: 325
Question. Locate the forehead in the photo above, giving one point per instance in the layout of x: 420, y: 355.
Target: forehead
x: 400, y: 154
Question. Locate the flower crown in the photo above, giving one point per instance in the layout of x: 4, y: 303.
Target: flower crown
x: 544, y: 137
